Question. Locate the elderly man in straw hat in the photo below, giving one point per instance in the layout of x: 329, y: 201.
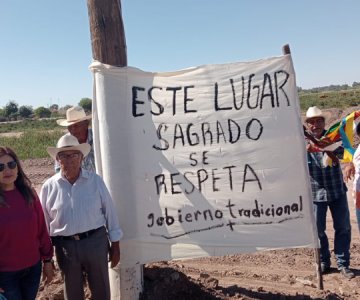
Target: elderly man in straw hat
x: 77, y: 122
x: 81, y: 219
x: 328, y: 191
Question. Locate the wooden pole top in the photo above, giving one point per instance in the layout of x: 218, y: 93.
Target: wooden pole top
x: 286, y: 49
x: 107, y: 32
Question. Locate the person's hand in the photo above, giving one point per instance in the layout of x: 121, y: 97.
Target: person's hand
x: 349, y: 172
x: 114, y: 254
x: 324, y: 142
x: 308, y: 147
x: 311, y: 147
x: 357, y: 200
x: 48, y: 272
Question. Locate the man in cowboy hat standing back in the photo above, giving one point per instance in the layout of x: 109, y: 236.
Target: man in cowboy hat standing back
x: 328, y: 191
x: 81, y: 219
x: 77, y: 122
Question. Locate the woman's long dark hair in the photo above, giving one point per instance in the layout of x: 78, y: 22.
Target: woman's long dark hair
x: 22, y: 182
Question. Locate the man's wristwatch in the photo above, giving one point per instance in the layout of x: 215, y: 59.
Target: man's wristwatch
x: 48, y: 260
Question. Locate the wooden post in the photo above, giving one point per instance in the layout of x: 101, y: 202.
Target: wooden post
x: 109, y: 47
x: 107, y: 32
x: 286, y: 50
x: 318, y: 269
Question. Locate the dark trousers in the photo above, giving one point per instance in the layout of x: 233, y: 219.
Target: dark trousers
x: 22, y: 284
x: 341, y: 222
x: 89, y: 255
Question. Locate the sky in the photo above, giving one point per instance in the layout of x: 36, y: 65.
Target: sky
x: 46, y: 51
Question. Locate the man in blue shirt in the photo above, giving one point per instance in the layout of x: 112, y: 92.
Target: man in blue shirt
x: 328, y: 191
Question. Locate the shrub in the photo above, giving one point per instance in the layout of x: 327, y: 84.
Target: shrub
x: 42, y: 112
x: 32, y: 144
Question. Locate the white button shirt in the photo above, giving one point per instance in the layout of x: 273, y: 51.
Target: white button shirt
x: 75, y: 208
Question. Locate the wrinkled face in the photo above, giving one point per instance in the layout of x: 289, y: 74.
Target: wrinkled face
x: 79, y: 130
x: 316, y: 126
x: 70, y: 162
x: 9, y: 172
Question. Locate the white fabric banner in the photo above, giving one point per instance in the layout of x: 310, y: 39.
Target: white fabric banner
x: 204, y: 161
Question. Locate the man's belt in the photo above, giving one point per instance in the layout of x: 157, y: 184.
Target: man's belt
x: 76, y: 237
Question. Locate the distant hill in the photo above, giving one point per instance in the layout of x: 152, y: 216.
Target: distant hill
x: 332, y: 96
x: 332, y: 87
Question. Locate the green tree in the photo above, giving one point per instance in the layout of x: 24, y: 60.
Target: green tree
x: 86, y: 104
x: 25, y: 111
x: 11, y: 109
x: 66, y: 107
x: 42, y: 112
x: 2, y: 115
x: 356, y: 84
x: 55, y: 114
x: 54, y: 107
x: 62, y: 110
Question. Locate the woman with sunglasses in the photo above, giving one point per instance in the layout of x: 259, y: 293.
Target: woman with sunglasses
x: 25, y: 246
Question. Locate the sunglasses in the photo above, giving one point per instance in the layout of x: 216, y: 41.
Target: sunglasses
x: 11, y: 165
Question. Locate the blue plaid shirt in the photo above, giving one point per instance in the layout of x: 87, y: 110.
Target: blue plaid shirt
x: 327, y: 183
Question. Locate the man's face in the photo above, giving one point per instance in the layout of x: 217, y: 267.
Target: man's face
x: 70, y: 162
x: 79, y: 129
x: 316, y: 126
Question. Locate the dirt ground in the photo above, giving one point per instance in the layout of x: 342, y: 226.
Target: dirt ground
x: 280, y: 274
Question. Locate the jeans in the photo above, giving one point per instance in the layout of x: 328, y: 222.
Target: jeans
x: 358, y: 217
x: 341, y: 222
x: 22, y: 284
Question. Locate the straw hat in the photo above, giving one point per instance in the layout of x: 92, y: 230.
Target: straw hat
x: 66, y: 143
x: 315, y: 112
x: 74, y: 115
